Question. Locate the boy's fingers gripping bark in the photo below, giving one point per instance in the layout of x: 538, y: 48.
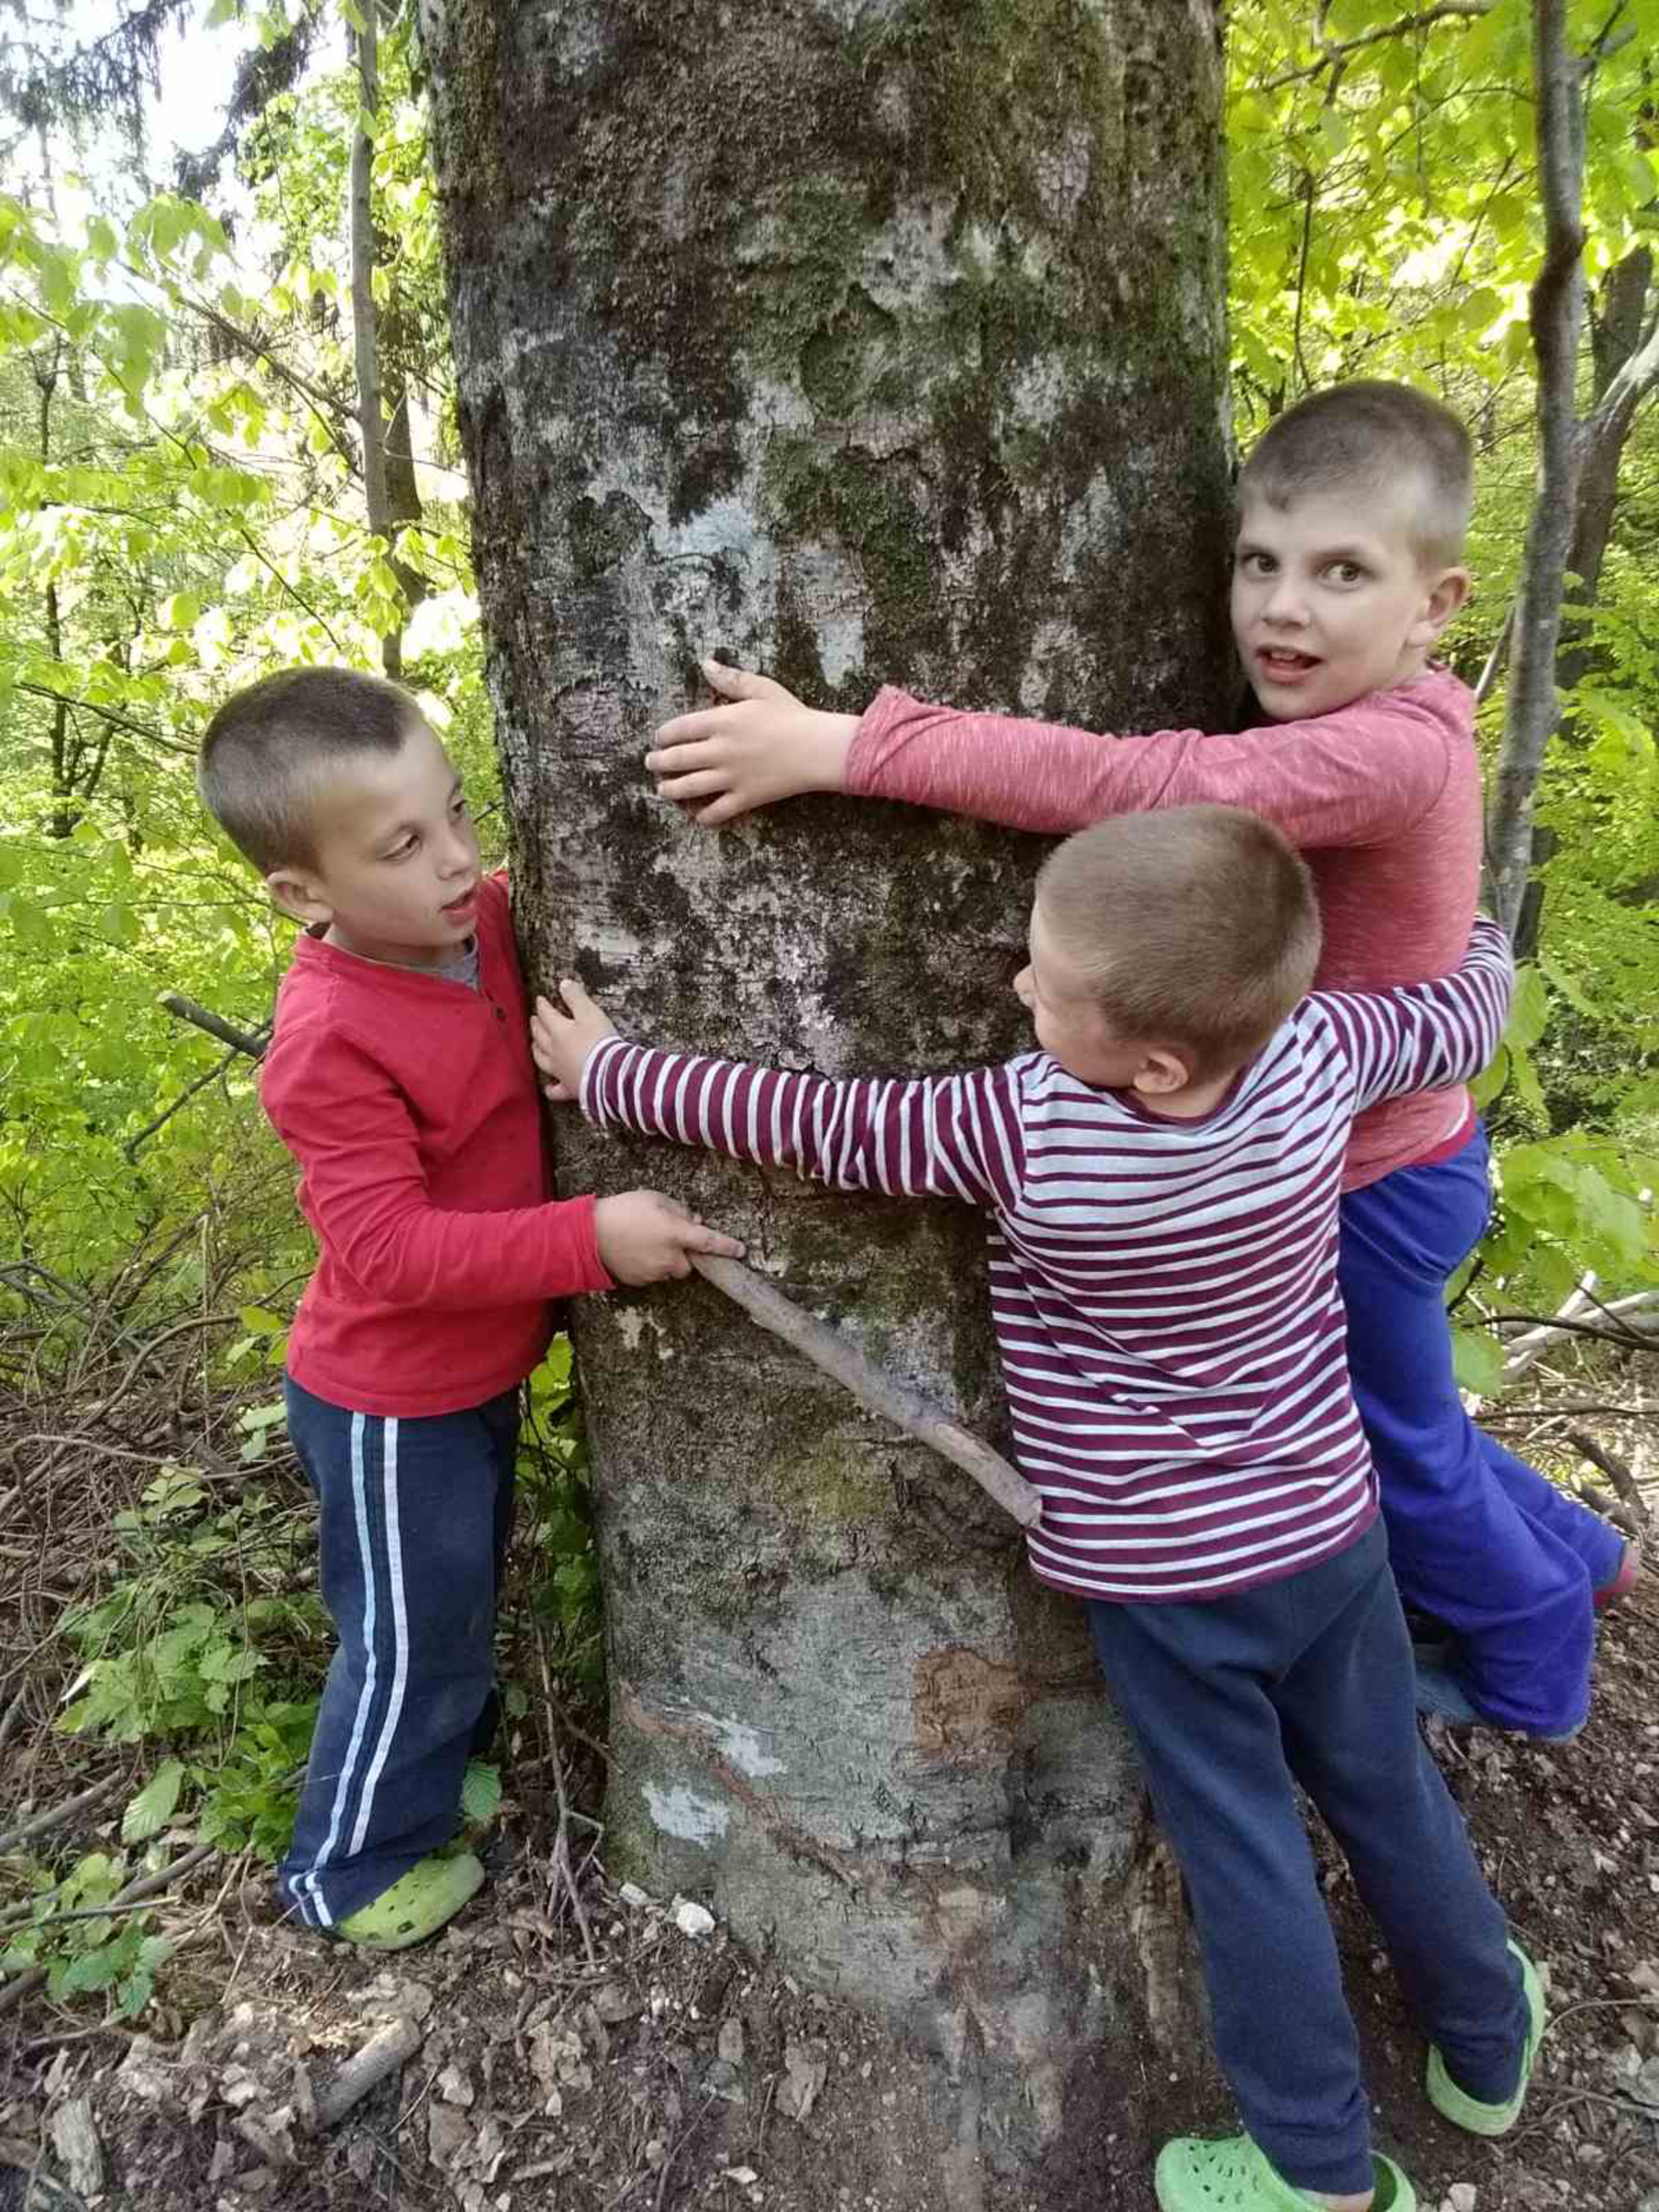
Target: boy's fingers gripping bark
x: 559, y: 1041
x: 644, y: 1237
x: 763, y: 746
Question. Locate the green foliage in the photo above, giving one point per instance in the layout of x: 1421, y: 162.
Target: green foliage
x: 1386, y: 222
x: 208, y: 1601
x: 84, y: 1952
x: 563, y: 1594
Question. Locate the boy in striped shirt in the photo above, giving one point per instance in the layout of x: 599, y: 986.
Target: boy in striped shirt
x: 1348, y: 564
x: 1161, y: 1178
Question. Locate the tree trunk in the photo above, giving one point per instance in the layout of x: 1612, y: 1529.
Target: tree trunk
x: 365, y: 318
x: 863, y: 343
x: 1616, y: 327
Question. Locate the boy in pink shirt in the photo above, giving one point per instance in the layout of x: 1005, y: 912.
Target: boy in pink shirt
x: 399, y: 1077
x: 1353, y: 512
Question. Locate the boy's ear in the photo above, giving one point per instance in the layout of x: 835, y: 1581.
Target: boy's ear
x: 1165, y: 1069
x: 1444, y: 597
x: 299, y: 895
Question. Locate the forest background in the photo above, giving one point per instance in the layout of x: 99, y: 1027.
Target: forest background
x: 227, y: 444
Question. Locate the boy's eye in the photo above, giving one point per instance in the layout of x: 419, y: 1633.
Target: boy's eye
x: 1346, y: 571
x: 402, y: 852
x: 457, y: 805
x: 1256, y: 564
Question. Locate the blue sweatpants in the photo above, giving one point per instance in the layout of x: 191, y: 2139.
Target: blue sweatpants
x: 1478, y: 1539
x: 414, y: 1517
x: 1232, y: 1701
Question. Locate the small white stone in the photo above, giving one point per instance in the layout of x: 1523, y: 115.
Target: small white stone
x: 1461, y: 2197
x: 691, y: 1919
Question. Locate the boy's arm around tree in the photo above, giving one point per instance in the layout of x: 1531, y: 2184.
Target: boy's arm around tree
x: 956, y: 1136
x: 365, y: 1192
x: 1423, y: 1037
x: 1363, y: 773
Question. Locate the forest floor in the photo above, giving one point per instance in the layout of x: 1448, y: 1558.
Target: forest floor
x: 631, y: 2066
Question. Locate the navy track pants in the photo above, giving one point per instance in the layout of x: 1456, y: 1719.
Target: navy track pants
x: 1234, y: 1700
x: 414, y: 1520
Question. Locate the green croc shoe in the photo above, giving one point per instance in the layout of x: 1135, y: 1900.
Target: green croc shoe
x: 1234, y: 2176
x: 416, y: 1907
x: 1468, y: 2112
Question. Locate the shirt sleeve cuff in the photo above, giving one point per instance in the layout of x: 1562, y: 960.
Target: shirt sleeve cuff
x: 864, y: 755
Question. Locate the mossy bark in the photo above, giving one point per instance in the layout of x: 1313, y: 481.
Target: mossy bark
x: 861, y: 340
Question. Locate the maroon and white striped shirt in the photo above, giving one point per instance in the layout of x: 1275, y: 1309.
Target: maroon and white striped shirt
x: 1164, y: 1292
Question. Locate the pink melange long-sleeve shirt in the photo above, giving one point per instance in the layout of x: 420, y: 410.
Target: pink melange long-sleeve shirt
x: 1163, y: 1291
x: 1382, y: 797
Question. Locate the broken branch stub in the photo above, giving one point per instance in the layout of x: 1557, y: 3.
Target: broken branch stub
x: 894, y: 1401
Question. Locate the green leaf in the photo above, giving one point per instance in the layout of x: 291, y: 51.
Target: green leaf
x: 153, y: 1807
x: 481, y: 1791
x: 1477, y: 1360
x: 1529, y: 1010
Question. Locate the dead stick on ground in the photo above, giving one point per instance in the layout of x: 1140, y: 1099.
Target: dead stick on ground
x: 894, y: 1401
x: 1614, y: 1469
x: 383, y: 2054
x: 55, y: 1816
x: 563, y: 1865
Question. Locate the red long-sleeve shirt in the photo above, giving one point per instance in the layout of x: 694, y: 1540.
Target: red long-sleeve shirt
x: 410, y: 1103
x: 1383, y: 796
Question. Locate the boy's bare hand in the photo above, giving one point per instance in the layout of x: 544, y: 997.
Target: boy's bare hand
x: 645, y: 1237
x: 762, y: 746
x: 561, y: 1038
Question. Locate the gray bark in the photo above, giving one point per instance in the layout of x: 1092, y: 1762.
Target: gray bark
x: 1556, y: 315
x: 863, y: 342
x: 364, y: 320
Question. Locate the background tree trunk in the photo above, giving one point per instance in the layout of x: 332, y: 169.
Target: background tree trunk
x: 861, y: 343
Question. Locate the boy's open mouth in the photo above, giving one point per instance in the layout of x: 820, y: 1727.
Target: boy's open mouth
x: 461, y: 904
x: 1284, y: 661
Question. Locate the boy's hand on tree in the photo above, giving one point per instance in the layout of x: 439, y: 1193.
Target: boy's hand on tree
x: 644, y: 1237
x: 561, y: 1038
x: 764, y: 745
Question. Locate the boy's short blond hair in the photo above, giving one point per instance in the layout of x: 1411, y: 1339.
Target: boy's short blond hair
x: 269, y: 747
x: 1196, y: 927
x: 1365, y: 436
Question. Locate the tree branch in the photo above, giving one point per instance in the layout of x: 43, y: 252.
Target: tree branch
x: 1557, y: 316
x: 1339, y: 50
x: 109, y: 715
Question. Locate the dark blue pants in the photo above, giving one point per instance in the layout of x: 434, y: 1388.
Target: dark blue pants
x: 1231, y: 1701
x: 414, y: 1518
x: 1478, y: 1539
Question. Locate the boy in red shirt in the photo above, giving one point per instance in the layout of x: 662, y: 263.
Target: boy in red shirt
x: 1353, y: 507
x: 399, y: 1077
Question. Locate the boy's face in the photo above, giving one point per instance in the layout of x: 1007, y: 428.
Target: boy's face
x: 396, y: 870
x: 1330, y: 600
x: 1071, y: 1027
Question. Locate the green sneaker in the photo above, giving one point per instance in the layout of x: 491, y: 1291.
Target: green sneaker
x: 417, y: 1905
x: 1468, y: 2112
x: 1234, y: 2176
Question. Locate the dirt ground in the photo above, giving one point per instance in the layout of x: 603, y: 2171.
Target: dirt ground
x: 678, y: 2070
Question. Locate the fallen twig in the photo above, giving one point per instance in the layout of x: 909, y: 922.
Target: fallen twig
x: 563, y: 1867
x: 54, y: 1815
x: 894, y: 1401
x: 1613, y: 1467
x: 383, y: 2054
